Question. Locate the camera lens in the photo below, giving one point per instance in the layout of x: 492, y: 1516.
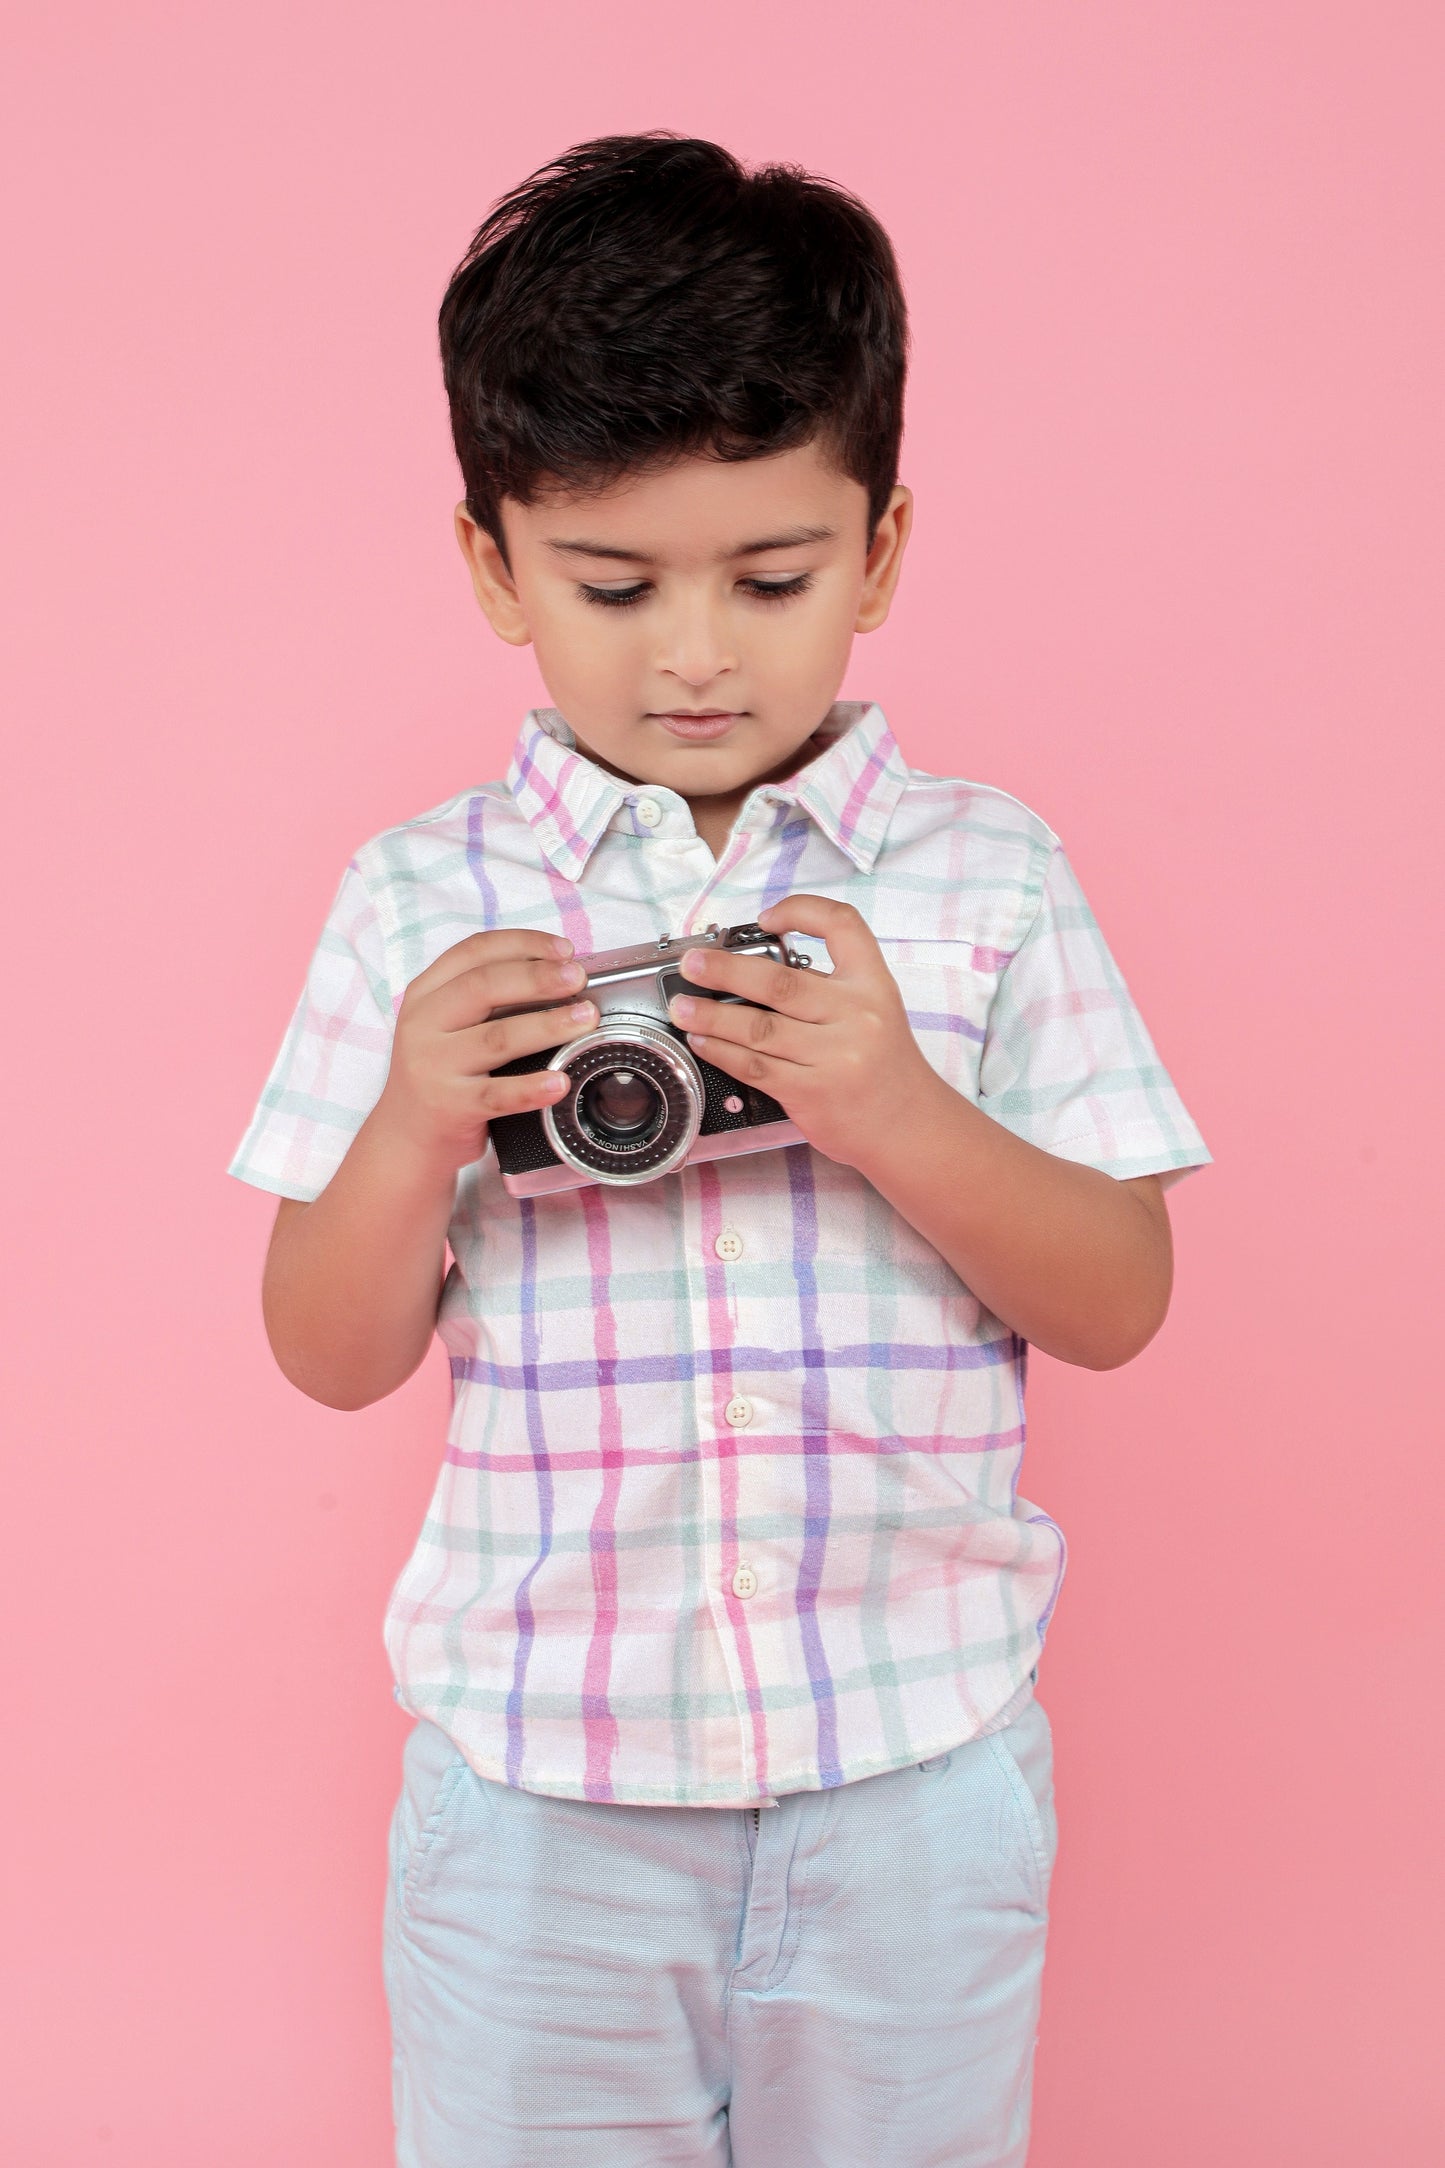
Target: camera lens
x: 620, y: 1106
x: 635, y: 1103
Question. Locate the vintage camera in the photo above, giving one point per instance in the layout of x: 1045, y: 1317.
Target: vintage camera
x: 639, y: 1103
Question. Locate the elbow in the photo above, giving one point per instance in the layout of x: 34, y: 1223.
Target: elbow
x: 1136, y: 1321
x: 344, y: 1400
x: 345, y: 1373
x: 327, y: 1392
x: 1114, y: 1357
x: 347, y: 1391
x: 1122, y: 1345
x: 349, y: 1387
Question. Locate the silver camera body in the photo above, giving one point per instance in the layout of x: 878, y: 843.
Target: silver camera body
x: 639, y: 1102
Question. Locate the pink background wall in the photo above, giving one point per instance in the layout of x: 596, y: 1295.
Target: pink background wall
x: 1176, y: 439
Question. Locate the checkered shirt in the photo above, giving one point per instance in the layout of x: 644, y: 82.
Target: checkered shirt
x: 729, y: 1503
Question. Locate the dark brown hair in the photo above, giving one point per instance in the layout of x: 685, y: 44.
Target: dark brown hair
x: 646, y: 297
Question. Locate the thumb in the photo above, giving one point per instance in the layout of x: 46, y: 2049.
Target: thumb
x: 847, y: 933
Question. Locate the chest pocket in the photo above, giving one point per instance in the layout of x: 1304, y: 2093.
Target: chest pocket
x: 947, y: 979
x: 947, y: 995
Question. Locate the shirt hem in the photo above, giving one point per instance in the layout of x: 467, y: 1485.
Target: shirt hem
x: 278, y: 1185
x: 1154, y: 1158
x: 557, y: 1787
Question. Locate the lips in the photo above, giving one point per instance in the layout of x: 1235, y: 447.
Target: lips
x: 700, y: 726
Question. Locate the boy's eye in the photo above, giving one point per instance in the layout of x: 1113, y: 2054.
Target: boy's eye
x: 779, y: 590
x: 622, y: 598
x: 614, y: 598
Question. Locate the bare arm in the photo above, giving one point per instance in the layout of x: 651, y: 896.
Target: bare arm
x: 1075, y: 1261
x: 352, y: 1279
x: 351, y: 1284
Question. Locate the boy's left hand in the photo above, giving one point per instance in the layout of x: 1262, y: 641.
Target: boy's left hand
x: 835, y: 1049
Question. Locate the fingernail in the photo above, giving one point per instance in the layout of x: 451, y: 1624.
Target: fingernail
x: 694, y: 962
x: 582, y: 1010
x: 561, y: 944
x: 556, y: 1084
x: 683, y: 1008
x: 572, y: 974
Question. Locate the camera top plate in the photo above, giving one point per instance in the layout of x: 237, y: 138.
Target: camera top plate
x: 647, y: 960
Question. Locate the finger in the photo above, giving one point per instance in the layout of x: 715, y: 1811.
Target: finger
x: 847, y: 933
x: 500, y: 945
x: 497, y: 1040
x: 783, y: 987
x: 742, y: 1025
x: 522, y: 1094
x: 745, y: 1063
x: 490, y: 988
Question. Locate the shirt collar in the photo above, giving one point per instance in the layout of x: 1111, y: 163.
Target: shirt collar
x: 566, y: 797
x: 854, y: 782
x: 849, y: 788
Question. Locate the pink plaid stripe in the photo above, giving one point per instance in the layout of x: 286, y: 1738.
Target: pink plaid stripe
x: 620, y: 1592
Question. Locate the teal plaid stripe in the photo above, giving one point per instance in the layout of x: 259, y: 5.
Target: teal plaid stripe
x: 570, y: 1611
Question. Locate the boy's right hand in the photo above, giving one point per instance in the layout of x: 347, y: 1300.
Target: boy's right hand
x: 440, y: 1093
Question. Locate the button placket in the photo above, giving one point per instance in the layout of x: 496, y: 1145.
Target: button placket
x: 738, y: 1410
x: 702, y: 1290
x: 711, y: 906
x: 708, y: 908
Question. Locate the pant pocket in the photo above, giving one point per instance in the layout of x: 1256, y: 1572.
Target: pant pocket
x: 1024, y: 1753
x: 434, y: 1772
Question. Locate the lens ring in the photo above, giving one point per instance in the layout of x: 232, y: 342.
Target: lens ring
x: 667, y: 1065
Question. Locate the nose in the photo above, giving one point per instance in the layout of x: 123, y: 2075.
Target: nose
x: 695, y: 646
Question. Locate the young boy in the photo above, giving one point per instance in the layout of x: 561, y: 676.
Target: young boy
x: 727, y: 1824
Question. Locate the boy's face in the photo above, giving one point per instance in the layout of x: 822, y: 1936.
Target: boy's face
x: 693, y: 625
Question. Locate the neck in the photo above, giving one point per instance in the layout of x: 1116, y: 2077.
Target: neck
x: 713, y: 817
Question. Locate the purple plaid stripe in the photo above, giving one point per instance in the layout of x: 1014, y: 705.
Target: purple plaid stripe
x: 729, y: 1498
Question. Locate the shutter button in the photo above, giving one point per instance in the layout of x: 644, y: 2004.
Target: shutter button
x: 739, y: 1411
x: 745, y: 1582
x: 649, y: 812
x: 729, y: 1244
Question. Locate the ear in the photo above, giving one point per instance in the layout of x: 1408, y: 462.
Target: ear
x: 492, y: 583
x: 885, y: 560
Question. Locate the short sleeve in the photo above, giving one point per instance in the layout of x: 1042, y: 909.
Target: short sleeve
x: 1067, y: 1061
x: 333, y: 1060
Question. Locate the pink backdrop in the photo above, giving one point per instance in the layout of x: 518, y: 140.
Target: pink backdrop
x: 1176, y: 440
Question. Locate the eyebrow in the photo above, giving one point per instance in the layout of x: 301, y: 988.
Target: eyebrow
x: 791, y: 539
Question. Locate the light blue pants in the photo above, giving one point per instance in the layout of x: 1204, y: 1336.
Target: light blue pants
x: 854, y: 1982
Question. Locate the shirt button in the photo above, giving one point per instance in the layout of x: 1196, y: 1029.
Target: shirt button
x: 739, y: 1411
x: 699, y: 927
x: 729, y: 1244
x: 745, y: 1582
x: 649, y: 812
